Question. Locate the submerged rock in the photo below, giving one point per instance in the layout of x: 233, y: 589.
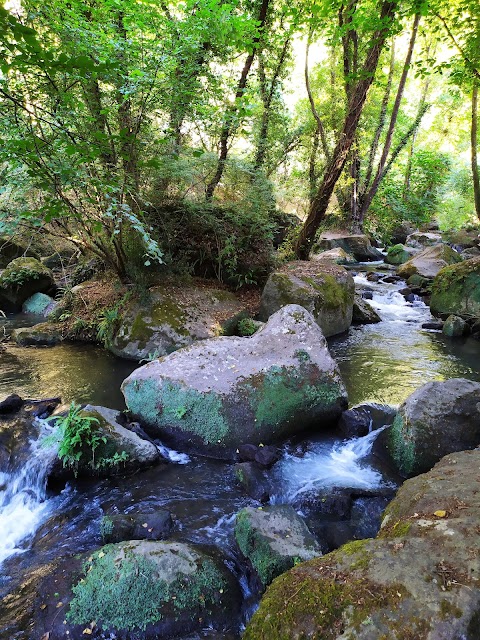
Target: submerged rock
x: 173, y: 318
x: 215, y: 395
x: 325, y: 289
x: 357, y: 244
x: 437, y: 419
x: 253, y: 480
x: 456, y: 289
x: 21, y: 279
x: 429, y: 262
x: 136, y: 526
x: 418, y: 579
x: 273, y: 539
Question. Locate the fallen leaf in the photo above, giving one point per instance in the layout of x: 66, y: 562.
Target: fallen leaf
x: 46, y: 636
x: 60, y: 604
x: 440, y: 513
x: 43, y: 606
x: 101, y: 554
x: 87, y: 631
x: 145, y: 525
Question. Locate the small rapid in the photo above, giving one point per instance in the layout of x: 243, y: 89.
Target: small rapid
x: 23, y: 500
x: 326, y: 465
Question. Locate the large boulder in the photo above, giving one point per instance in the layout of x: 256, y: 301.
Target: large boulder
x: 21, y: 279
x: 272, y: 539
x: 429, y: 262
x: 437, y: 419
x: 130, y: 590
x: 118, y: 449
x: 11, y: 249
x: 337, y: 255
x: 324, y: 288
x: 456, y: 289
x: 399, y: 253
x: 215, y: 395
x: 357, y: 244
x: 418, y: 579
x: 173, y: 318
x: 422, y: 239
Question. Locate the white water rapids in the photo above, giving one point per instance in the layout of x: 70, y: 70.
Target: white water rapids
x: 23, y: 503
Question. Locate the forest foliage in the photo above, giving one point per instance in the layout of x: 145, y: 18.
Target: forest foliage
x: 192, y: 134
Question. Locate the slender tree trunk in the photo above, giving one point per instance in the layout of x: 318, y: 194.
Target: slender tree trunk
x: 422, y: 107
x: 231, y: 111
x: 367, y: 200
x: 267, y: 98
x: 381, y: 122
x: 320, y: 129
x: 474, y: 138
x: 333, y: 171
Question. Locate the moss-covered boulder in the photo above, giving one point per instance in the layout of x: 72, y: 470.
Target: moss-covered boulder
x: 21, y: 279
x: 175, y: 317
x: 456, y: 289
x: 399, y: 253
x: 273, y: 539
x: 337, y: 255
x: 429, y: 262
x: 454, y: 326
x: 217, y: 394
x: 40, y: 305
x: 422, y: 239
x: 40, y: 335
x: 356, y: 244
x: 118, y: 450
x: 437, y: 419
x: 11, y: 249
x: 418, y: 580
x: 363, y: 312
x: 131, y: 590
x: 324, y: 288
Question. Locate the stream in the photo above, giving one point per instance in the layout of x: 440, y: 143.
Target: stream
x: 383, y: 362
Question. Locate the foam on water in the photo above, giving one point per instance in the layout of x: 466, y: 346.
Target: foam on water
x: 329, y: 465
x: 23, y: 503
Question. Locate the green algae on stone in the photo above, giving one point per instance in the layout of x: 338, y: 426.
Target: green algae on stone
x: 178, y: 407
x: 39, y: 304
x: 400, y: 446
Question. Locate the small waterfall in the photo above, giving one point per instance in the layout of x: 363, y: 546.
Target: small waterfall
x: 23, y: 503
x: 329, y: 465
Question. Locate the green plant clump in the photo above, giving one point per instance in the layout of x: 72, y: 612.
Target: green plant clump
x: 246, y: 327
x: 79, y: 436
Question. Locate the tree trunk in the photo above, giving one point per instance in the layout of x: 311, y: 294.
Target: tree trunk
x: 333, y: 171
x: 474, y: 138
x: 367, y: 200
x: 228, y: 120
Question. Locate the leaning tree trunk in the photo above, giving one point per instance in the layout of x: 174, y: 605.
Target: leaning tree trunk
x: 333, y: 171
x: 474, y: 138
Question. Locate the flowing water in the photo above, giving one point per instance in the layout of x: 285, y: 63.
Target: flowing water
x: 383, y: 362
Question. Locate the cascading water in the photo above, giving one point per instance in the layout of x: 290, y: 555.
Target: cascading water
x: 23, y: 502
x: 328, y: 465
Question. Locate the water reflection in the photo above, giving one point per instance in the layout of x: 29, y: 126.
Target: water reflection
x: 83, y: 373
x: 386, y: 362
